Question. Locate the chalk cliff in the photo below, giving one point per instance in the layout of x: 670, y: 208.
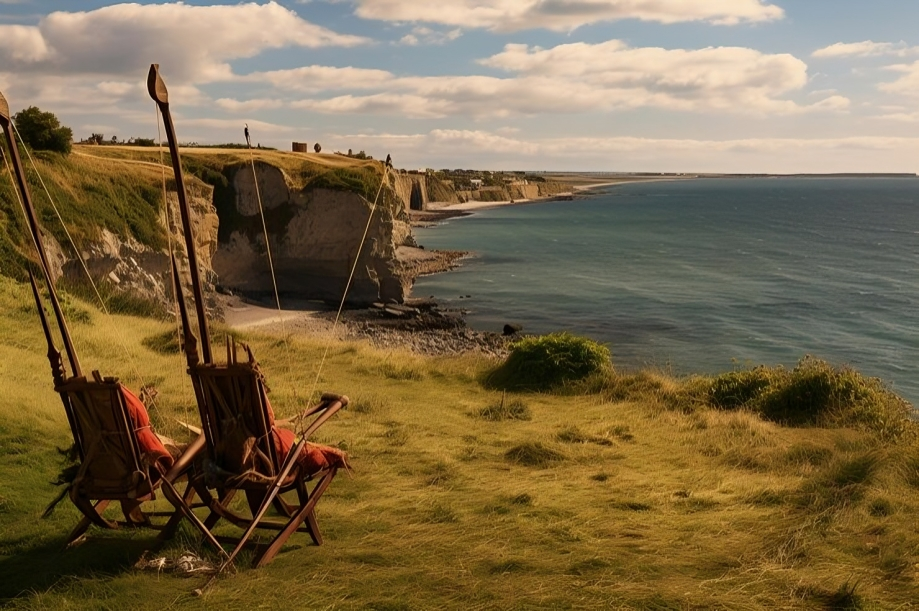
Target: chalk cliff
x: 314, y: 234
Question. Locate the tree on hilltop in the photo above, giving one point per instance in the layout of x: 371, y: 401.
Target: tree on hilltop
x: 42, y: 131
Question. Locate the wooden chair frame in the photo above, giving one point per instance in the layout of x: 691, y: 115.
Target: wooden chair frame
x: 241, y: 455
x: 111, y: 464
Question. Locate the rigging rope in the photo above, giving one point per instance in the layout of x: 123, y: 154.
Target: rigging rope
x: 386, y: 166
x: 119, y: 335
x: 274, y: 279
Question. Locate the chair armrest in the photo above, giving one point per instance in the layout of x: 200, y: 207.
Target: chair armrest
x: 329, y: 404
x: 183, y: 462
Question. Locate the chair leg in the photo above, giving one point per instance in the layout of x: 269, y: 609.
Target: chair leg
x: 169, y: 530
x: 272, y: 550
x: 92, y: 512
x: 283, y: 507
x: 255, y: 500
x: 85, y: 522
x: 181, y: 505
x: 312, y: 526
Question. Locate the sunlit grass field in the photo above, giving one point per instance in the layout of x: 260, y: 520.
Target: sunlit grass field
x: 612, y: 495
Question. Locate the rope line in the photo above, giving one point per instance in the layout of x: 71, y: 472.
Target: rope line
x: 119, y: 336
x: 274, y: 279
x: 300, y: 420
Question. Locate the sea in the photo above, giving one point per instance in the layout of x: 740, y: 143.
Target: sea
x: 704, y: 276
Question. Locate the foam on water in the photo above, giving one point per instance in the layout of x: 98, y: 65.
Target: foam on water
x: 701, y: 275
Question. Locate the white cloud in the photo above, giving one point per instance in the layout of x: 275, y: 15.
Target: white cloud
x: 866, y: 48
x: 565, y: 15
x: 426, y: 36
x: 246, y: 106
x: 321, y: 78
x: 908, y: 84
x: 234, y: 125
x: 582, y: 77
x: 193, y: 43
x: 22, y: 44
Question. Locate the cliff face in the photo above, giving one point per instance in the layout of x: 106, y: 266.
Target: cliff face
x: 514, y: 191
x: 313, y: 236
x: 122, y: 265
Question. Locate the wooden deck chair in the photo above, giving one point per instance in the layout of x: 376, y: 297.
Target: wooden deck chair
x: 112, y: 465
x: 242, y: 448
x: 242, y: 453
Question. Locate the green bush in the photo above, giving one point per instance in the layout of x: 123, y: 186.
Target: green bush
x: 738, y: 388
x: 541, y: 363
x: 813, y: 393
x: 43, y: 131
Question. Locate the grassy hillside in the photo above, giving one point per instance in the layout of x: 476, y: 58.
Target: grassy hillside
x: 629, y: 491
x: 120, y: 188
x: 90, y: 194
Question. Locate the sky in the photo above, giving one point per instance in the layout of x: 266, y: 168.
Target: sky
x: 783, y: 86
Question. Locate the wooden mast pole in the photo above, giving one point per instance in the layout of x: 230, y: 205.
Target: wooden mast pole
x: 32, y: 220
x: 157, y: 89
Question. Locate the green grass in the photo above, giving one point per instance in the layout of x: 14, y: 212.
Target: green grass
x: 629, y: 491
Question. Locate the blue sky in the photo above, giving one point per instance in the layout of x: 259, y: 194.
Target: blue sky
x: 599, y: 85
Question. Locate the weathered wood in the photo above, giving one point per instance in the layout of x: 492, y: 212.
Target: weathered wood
x: 7, y: 122
x: 156, y: 87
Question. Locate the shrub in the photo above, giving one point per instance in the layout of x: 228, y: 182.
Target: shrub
x: 43, y: 131
x: 813, y: 393
x: 541, y: 363
x: 738, y: 388
x: 818, y: 393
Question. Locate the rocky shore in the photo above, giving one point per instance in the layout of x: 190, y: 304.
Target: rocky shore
x: 423, y: 327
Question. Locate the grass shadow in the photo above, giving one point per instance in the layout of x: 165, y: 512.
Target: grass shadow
x: 42, y: 567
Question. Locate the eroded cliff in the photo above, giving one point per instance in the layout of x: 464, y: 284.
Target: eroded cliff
x: 314, y: 233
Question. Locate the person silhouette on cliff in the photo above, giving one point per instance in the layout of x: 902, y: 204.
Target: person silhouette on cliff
x: 248, y: 143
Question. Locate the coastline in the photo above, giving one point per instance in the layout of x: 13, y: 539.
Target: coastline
x: 438, y: 211
x: 420, y: 324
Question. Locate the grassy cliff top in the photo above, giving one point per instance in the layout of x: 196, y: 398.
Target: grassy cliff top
x: 297, y: 166
x: 120, y: 188
x: 611, y: 496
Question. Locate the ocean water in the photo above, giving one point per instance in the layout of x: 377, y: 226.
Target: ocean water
x: 704, y: 276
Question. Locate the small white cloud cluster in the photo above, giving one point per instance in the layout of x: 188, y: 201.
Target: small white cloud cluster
x: 565, y: 15
x: 422, y: 35
x: 907, y: 84
x: 867, y: 48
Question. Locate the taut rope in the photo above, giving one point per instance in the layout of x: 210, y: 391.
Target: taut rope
x: 118, y: 334
x: 341, y: 306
